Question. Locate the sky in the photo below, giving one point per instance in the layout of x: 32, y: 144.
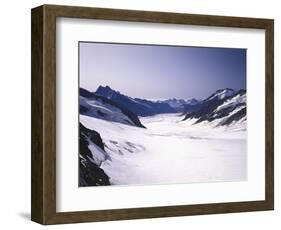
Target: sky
x: 161, y: 72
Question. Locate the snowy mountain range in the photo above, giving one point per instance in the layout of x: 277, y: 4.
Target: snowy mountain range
x: 140, y: 107
x: 180, y: 105
x: 93, y: 105
x: 224, y: 106
x: 114, y: 127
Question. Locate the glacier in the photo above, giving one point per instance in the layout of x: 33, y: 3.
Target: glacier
x: 171, y: 150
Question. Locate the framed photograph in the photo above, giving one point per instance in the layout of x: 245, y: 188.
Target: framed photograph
x: 140, y: 114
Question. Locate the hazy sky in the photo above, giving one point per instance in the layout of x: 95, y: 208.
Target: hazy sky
x: 149, y: 71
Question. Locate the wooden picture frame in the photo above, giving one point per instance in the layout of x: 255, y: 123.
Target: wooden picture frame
x: 43, y: 208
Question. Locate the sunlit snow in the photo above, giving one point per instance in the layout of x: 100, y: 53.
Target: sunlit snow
x: 171, y: 151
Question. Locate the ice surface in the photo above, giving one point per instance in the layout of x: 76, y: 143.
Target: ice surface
x: 171, y: 151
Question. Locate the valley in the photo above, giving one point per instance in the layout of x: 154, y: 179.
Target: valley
x: 133, y: 141
x: 170, y: 151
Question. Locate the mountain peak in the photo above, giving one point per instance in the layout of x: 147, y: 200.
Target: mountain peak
x: 222, y: 93
x: 225, y: 90
x: 101, y: 88
x: 106, y: 91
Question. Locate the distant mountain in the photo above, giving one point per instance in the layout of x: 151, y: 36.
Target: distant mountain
x: 223, y: 106
x: 141, y: 107
x: 192, y: 101
x: 180, y: 105
x: 103, y: 108
x: 221, y: 94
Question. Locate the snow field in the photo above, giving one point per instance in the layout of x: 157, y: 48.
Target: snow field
x: 171, y: 151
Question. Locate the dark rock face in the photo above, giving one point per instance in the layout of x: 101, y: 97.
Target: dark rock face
x: 92, y: 135
x: 85, y: 93
x: 235, y: 117
x: 138, y: 106
x: 90, y: 174
x: 206, y: 110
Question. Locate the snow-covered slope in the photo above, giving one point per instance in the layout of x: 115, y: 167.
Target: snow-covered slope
x: 222, y: 94
x: 103, y: 108
x: 224, y: 107
x: 233, y: 101
x: 236, y: 109
x: 97, y: 108
x: 169, y: 151
x: 206, y: 144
